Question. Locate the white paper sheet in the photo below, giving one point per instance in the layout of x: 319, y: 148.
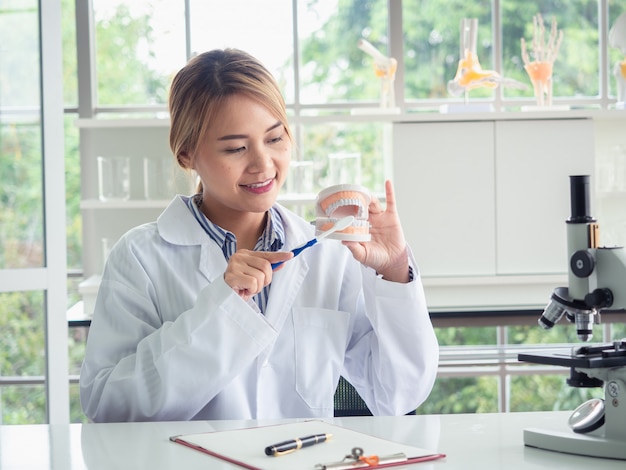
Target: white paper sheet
x: 247, y: 446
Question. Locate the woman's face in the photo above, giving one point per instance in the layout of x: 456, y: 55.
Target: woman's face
x: 242, y: 160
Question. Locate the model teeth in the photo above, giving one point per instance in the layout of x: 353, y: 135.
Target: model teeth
x: 339, y: 201
x: 345, y: 202
x: 355, y: 222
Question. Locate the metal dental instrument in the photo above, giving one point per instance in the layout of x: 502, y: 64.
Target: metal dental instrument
x: 356, y: 459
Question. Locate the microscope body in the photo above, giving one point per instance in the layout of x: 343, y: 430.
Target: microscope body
x: 596, y: 282
x: 597, y: 275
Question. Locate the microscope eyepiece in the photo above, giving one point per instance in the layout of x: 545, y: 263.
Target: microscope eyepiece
x: 579, y: 200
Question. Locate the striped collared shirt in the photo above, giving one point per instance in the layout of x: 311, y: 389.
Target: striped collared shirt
x: 272, y: 239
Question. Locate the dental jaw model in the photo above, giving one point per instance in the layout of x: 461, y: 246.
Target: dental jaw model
x: 336, y: 202
x: 617, y: 39
x: 540, y: 69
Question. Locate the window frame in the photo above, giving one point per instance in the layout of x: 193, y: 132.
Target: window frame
x: 303, y: 114
x: 51, y: 278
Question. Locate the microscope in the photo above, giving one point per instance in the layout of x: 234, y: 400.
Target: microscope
x: 596, y: 283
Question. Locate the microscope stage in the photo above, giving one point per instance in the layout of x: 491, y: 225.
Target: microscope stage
x: 600, y: 356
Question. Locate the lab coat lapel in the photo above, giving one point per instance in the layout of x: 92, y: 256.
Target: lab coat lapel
x: 286, y: 285
x: 212, y: 262
x: 177, y: 225
x: 287, y: 282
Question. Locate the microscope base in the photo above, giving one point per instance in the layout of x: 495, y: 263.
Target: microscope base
x: 609, y: 440
x: 573, y: 443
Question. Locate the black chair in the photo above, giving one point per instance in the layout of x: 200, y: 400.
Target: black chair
x: 348, y: 402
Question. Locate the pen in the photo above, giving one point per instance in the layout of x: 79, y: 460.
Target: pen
x: 294, y: 444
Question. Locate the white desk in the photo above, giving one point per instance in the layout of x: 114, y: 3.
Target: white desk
x: 471, y: 441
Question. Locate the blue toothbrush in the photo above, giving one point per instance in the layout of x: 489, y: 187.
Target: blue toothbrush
x: 339, y: 225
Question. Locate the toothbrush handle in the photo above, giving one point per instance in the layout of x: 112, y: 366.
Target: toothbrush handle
x: 296, y: 251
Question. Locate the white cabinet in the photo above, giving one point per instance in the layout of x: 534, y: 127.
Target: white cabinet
x: 483, y: 201
x: 534, y: 160
x: 108, y: 220
x: 489, y: 199
x: 136, y: 140
x: 445, y: 183
x: 610, y: 183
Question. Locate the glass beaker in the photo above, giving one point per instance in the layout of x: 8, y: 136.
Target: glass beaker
x: 300, y: 178
x: 344, y: 168
x: 114, y: 178
x: 158, y: 178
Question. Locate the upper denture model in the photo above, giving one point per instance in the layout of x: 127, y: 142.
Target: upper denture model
x: 339, y: 201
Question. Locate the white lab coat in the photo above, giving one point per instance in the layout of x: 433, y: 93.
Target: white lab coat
x: 170, y: 340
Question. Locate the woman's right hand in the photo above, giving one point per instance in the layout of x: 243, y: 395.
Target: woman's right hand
x: 248, y: 272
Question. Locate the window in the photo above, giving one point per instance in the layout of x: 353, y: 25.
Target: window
x: 33, y: 349
x: 316, y: 59
x: 21, y: 227
x: 332, y: 92
x: 148, y: 44
x: 577, y: 65
x: 21, y: 217
x: 264, y: 30
x: 431, y: 44
x: 22, y: 370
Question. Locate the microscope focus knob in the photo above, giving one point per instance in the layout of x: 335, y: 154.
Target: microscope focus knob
x: 599, y: 298
x: 582, y: 263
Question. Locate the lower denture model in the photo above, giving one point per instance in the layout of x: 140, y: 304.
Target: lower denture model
x: 339, y: 201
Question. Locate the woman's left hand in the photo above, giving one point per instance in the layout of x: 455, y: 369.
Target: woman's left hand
x: 387, y: 251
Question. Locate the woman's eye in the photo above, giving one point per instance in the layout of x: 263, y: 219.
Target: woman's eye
x: 235, y: 150
x: 276, y: 139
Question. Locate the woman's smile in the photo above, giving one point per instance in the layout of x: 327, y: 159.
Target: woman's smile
x: 261, y: 187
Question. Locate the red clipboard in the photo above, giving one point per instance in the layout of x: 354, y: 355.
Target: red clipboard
x: 245, y: 447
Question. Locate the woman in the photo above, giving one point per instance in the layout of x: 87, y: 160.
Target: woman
x: 192, y: 323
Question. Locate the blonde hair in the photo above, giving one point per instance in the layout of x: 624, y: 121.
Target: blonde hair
x: 200, y: 88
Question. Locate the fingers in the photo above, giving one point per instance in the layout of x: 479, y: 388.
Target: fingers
x: 248, y: 272
x: 357, y: 249
x: 375, y: 207
x: 390, y: 196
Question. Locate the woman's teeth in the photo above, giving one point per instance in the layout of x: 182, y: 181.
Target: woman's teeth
x: 259, y: 185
